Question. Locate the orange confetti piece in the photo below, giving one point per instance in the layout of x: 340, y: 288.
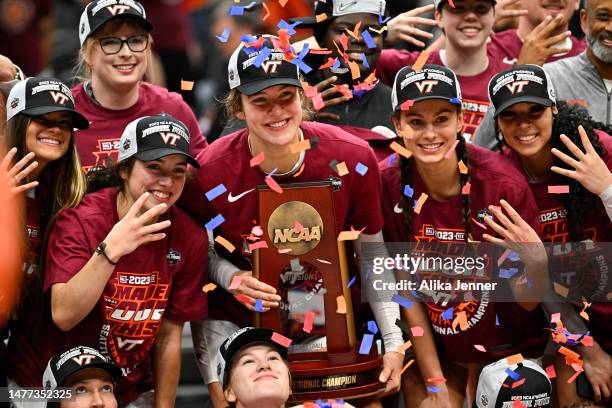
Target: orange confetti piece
x: 401, y: 150
x: 225, y: 243
x: 584, y: 315
x: 273, y: 184
x: 299, y: 146
x: 282, y: 2
x: 317, y: 102
x: 421, y: 61
x: 514, y: 359
x: 571, y: 356
x: 257, y: 160
x: 354, y: 67
x: 300, y: 170
x: 466, y: 190
x: 420, y: 202
x: 321, y: 17
x: 342, y: 169
x: 406, y: 132
x: 402, y: 349
x: 560, y: 289
x: 209, y: 287
x: 348, y: 235
x: 186, y: 85
x: 461, y: 321
x: 462, y: 167
x: 408, y: 364
x: 265, y: 6
x: 285, y: 250
x: 518, y: 383
x: 341, y: 305
x: 324, y: 261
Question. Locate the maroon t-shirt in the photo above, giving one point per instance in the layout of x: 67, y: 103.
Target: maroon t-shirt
x: 226, y: 162
x: 160, y: 280
x: 492, y: 178
x: 106, y: 126
x: 474, y: 89
x: 507, y: 45
x: 596, y: 227
x: 378, y: 142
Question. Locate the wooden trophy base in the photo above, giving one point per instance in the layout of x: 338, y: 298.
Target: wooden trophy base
x: 357, y: 377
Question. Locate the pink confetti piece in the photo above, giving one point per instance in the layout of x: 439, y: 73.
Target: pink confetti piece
x: 480, y: 347
x: 257, y: 160
x: 280, y: 339
x: 503, y: 257
x: 416, y: 331
x: 550, y: 371
x: 236, y: 280
x: 297, y: 227
x: 555, y: 317
x: 323, y: 261
x: 257, y: 231
x: 558, y: 189
x: 573, y: 377
x: 451, y: 150
x: 518, y: 404
x: 406, y: 105
x: 273, y: 185
x: 481, y: 225
x: 285, y: 250
x: 258, y: 245
x: 308, y: 322
x: 587, y: 341
x: 317, y: 102
x: 465, y: 190
x: 518, y: 383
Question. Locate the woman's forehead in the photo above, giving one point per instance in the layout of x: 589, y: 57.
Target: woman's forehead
x: 117, y: 25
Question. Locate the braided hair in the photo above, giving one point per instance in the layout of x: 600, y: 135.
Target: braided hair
x: 405, y: 168
x: 579, y: 201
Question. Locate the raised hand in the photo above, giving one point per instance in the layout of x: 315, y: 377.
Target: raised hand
x: 251, y: 289
x: 505, y: 10
x: 18, y: 172
x: 331, y: 97
x: 136, y: 229
x: 589, y: 170
x: 538, y: 46
x: 403, y: 27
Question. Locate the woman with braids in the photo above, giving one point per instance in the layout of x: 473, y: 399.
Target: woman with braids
x: 43, y: 163
x: 463, y: 184
x: 542, y: 138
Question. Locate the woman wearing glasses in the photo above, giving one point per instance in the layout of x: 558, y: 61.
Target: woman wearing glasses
x: 115, y: 54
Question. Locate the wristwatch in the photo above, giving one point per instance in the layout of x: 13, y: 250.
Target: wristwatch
x: 101, y: 250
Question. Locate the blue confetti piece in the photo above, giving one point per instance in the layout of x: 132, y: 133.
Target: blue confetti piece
x: 408, y: 191
x: 529, y: 285
x: 248, y: 38
x: 391, y: 159
x: 359, y: 92
x: 353, y: 279
x: 448, y: 314
x: 224, y: 36
x: 299, y: 61
x: 364, y: 60
x: 513, y: 256
x: 215, y: 222
x: 270, y: 174
x: 402, y: 301
x: 368, y: 39
x: 236, y: 11
x: 263, y: 55
x: 455, y: 100
x: 366, y: 344
x: 513, y: 374
x: 382, y: 20
x: 432, y: 388
x: 283, y: 25
x: 361, y: 168
x: 259, y: 305
x: 215, y: 192
x: 496, y: 320
x: 372, y: 327
x: 414, y: 205
x: 507, y: 273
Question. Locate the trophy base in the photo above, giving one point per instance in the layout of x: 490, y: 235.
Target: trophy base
x: 325, y: 379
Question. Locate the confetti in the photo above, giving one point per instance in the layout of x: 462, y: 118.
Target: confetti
x: 514, y: 359
x: 448, y: 314
x: 437, y: 380
x: 402, y: 301
x: 462, y: 167
x: 257, y: 160
x: 432, y: 388
x: 401, y: 150
x: 341, y: 303
x: 507, y: 273
x: 209, y: 287
x: 224, y: 36
x: 236, y: 11
x: 570, y: 354
x: 366, y: 344
x: 299, y: 146
x: 417, y: 331
x: 215, y: 192
x: 461, y: 321
x: 496, y: 320
x: 323, y: 261
x: 587, y: 341
x: 420, y: 202
x: 402, y: 349
x: 421, y: 60
x: 480, y: 347
x: 259, y: 306
x: 361, y: 168
x: 354, y: 67
x: 465, y: 190
x: 560, y: 289
x: 265, y: 6
x: 503, y: 257
x: 257, y: 231
x: 364, y: 61
x: 518, y: 383
x: 225, y: 243
x: 243, y: 299
x: 352, y: 281
x: 342, y: 169
x: 297, y: 227
x: 214, y: 223
x: 317, y: 103
x: 406, y: 105
x: 408, y: 191
x: 300, y: 170
x: 236, y: 280
x: 348, y: 235
x: 474, y: 220
x: 321, y: 17
x: 408, y: 364
x: 558, y: 189
x: 451, y: 150
x: 518, y: 404
x: 280, y: 339
x: 512, y: 374
x: 186, y: 85
x: 282, y: 2
x: 308, y: 322
x: 573, y: 377
x: 285, y: 250
x: 372, y: 327
x: 368, y: 39
x: 273, y: 185
x: 263, y: 55
x: 550, y: 371
x: 258, y: 245
x: 584, y: 315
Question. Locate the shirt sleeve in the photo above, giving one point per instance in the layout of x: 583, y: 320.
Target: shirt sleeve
x: 68, y: 250
x: 391, y: 61
x: 187, y: 300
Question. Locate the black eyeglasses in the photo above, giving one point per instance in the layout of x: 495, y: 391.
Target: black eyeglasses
x: 112, y: 45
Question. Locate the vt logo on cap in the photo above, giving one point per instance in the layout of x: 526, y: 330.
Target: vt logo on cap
x: 59, y: 97
x: 426, y: 86
x: 517, y: 86
x: 118, y: 9
x: 84, y: 359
